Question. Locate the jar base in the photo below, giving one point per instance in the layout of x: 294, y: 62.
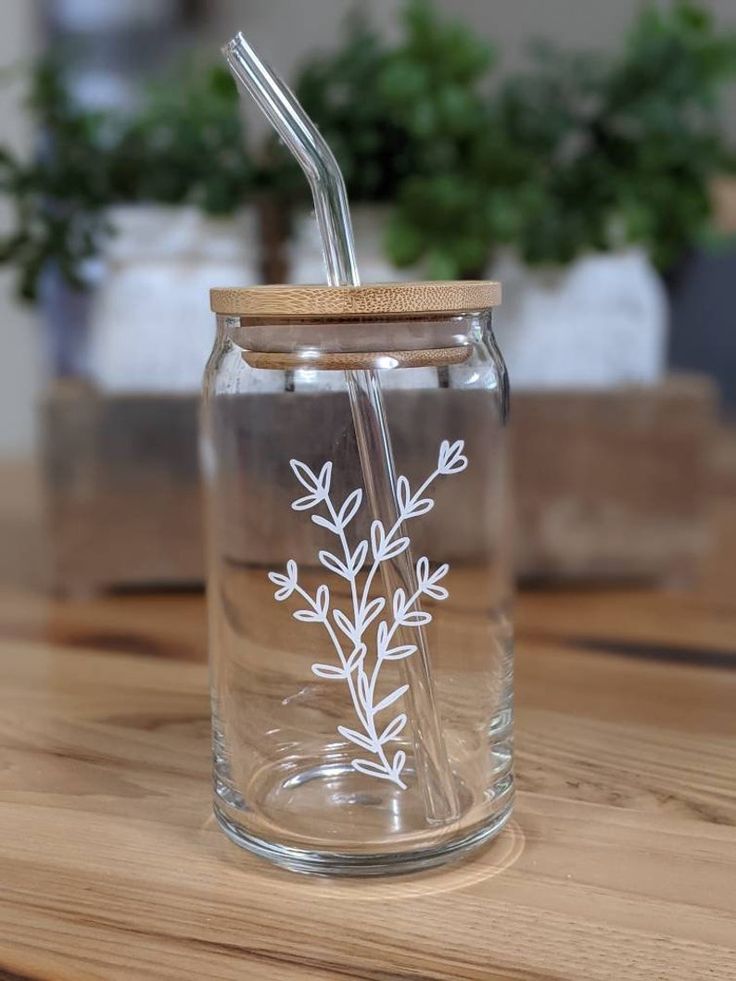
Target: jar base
x: 384, y: 863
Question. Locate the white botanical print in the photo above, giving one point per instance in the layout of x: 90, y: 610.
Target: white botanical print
x: 370, y: 734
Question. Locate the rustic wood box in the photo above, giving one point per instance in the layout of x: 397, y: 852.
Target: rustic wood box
x: 606, y: 485
x: 121, y: 477
x: 614, y: 484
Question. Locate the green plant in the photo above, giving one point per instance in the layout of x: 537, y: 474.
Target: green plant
x: 340, y: 93
x: 434, y: 85
x: 661, y: 129
x: 630, y: 144
x: 578, y: 152
x: 185, y: 143
x: 59, y: 195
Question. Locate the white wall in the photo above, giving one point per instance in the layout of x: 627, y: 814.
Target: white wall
x: 20, y: 372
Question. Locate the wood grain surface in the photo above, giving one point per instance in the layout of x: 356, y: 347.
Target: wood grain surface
x: 357, y: 301
x: 620, y: 863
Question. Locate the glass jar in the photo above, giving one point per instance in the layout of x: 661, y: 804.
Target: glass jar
x: 354, y: 457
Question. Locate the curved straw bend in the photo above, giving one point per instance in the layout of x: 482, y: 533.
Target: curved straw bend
x: 281, y: 107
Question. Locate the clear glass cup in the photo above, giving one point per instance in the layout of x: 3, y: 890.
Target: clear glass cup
x: 320, y: 714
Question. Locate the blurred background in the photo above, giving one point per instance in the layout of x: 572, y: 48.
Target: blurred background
x: 582, y: 152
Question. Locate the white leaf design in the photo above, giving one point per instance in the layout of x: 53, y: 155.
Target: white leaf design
x: 403, y: 493
x: 305, y: 476
x: 451, y: 459
x: 372, y: 610
x: 329, y: 671
x: 397, y: 653
x: 436, y: 592
x: 383, y: 547
x: 322, y: 600
x: 390, y: 699
x: 393, y: 729
x: 392, y: 549
x: 419, y: 507
x: 427, y: 581
x: 325, y: 475
x: 350, y: 508
x: 308, y: 616
x: 357, y: 737
x: 358, y: 653
x: 382, y: 637
x: 424, y: 575
x: 364, y: 689
x: 358, y: 557
x: 323, y: 522
x: 370, y: 768
x: 334, y: 564
x: 378, y: 537
x: 416, y: 618
x: 285, y: 584
x: 359, y: 670
x: 399, y: 604
x: 318, y: 486
x: 346, y: 625
x: 305, y: 503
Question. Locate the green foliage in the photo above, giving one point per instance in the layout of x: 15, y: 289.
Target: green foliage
x: 392, y: 114
x: 577, y: 153
x: 184, y: 144
x: 59, y: 195
x: 430, y: 80
x: 660, y: 126
x: 433, y: 84
x: 340, y: 93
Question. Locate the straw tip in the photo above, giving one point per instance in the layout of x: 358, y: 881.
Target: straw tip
x: 233, y: 44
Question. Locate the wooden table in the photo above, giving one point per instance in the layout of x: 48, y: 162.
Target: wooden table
x: 620, y: 863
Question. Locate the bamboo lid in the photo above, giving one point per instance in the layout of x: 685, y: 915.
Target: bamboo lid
x: 459, y: 296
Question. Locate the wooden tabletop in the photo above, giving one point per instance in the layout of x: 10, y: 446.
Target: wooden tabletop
x: 620, y: 862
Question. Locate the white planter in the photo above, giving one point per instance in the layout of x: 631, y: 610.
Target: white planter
x: 306, y: 264
x: 599, y: 323
x: 151, y: 326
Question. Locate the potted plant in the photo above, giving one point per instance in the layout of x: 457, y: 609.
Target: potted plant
x: 575, y: 181
x: 181, y: 169
x: 341, y: 92
x: 56, y: 205
x: 160, y: 198
x: 434, y: 85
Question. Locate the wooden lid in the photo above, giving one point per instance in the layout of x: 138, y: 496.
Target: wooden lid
x: 457, y: 296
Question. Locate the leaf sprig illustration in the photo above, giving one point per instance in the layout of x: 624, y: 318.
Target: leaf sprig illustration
x: 385, y: 544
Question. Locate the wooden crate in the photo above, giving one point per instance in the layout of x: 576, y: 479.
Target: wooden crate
x: 122, y: 489
x: 613, y: 484
x: 606, y: 485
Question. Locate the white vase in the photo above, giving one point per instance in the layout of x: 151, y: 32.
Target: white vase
x: 151, y: 326
x: 306, y: 264
x: 600, y: 322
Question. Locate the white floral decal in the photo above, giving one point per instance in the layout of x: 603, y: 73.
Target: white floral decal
x: 372, y: 736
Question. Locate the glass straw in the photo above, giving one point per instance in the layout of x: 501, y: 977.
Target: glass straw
x: 302, y: 137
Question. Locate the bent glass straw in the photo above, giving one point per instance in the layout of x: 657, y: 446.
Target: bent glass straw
x: 296, y: 129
